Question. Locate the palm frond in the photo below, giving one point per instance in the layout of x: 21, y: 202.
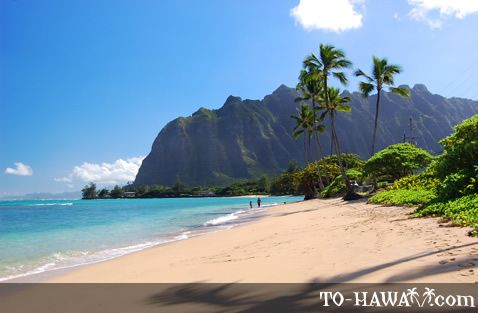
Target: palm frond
x: 360, y: 73
x: 401, y: 91
x: 320, y: 128
x: 344, y: 108
x: 366, y: 89
x: 297, y: 133
x: 341, y: 77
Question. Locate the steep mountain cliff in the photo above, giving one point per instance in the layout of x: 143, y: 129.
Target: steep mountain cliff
x: 248, y: 138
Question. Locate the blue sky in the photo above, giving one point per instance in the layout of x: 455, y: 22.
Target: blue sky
x: 85, y: 86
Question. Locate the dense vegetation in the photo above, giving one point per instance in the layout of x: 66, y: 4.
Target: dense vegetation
x: 178, y: 189
x: 397, y: 161
x: 449, y: 186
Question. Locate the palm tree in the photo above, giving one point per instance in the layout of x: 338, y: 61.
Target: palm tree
x: 304, y: 126
x: 310, y: 88
x: 331, y: 62
x: 383, y: 75
x: 338, y: 103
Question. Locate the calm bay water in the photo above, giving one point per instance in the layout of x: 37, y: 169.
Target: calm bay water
x: 37, y: 236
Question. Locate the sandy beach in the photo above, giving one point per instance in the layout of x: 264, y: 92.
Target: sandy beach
x: 317, y: 240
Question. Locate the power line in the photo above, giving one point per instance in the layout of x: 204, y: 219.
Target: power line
x: 461, y: 77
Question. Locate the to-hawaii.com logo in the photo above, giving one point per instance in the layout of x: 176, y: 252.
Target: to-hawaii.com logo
x: 409, y: 298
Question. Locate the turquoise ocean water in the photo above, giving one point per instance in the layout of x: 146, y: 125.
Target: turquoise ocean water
x: 42, y: 235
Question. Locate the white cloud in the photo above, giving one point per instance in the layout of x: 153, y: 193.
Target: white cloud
x: 118, y: 172
x: 20, y: 169
x: 434, y: 12
x: 333, y: 15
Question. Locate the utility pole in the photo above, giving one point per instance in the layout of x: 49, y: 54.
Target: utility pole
x: 411, y: 136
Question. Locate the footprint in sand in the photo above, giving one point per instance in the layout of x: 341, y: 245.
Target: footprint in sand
x: 442, y: 262
x: 466, y: 264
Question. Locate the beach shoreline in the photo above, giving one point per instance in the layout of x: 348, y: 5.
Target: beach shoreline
x: 316, y: 240
x: 235, y: 218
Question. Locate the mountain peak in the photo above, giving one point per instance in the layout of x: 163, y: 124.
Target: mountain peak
x: 420, y: 88
x: 232, y: 99
x: 282, y: 88
x: 202, y: 111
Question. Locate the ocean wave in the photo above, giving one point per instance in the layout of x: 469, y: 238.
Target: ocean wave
x: 65, y: 260
x: 271, y: 204
x: 224, y: 219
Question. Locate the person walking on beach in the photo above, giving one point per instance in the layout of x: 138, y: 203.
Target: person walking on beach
x: 259, y: 202
x: 250, y: 204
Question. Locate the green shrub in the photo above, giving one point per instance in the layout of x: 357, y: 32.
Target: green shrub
x: 410, y: 182
x: 410, y: 197
x: 457, y: 167
x: 306, y: 181
x: 337, y: 187
x: 329, y: 166
x: 397, y: 161
x: 462, y: 211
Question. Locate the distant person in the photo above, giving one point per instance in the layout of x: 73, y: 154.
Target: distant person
x: 250, y: 204
x: 259, y: 202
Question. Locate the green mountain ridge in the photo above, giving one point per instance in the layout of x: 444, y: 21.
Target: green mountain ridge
x: 249, y: 138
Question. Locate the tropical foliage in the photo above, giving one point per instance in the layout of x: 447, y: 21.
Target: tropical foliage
x: 449, y: 187
x: 406, y: 197
x: 89, y: 191
x: 461, y: 211
x: 457, y: 167
x: 337, y: 187
x: 314, y: 84
x: 397, y: 161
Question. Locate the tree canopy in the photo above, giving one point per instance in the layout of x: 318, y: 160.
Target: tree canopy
x: 397, y: 161
x: 89, y: 191
x: 458, y: 165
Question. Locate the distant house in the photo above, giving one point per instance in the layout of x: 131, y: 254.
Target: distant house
x: 130, y: 194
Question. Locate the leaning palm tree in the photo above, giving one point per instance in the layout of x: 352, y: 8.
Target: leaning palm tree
x: 382, y: 76
x: 332, y: 62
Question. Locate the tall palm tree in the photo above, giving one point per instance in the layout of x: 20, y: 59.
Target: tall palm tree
x: 382, y: 76
x: 338, y: 103
x: 332, y: 62
x: 304, y: 126
x: 310, y: 88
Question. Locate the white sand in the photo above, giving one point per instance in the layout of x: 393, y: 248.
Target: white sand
x: 318, y: 240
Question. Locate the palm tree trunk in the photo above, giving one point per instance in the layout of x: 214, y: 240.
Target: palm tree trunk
x: 349, y: 191
x: 339, y: 156
x: 374, y: 134
x: 331, y: 139
x: 321, y: 182
x: 305, y: 151
x: 375, y: 125
x: 308, y: 137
